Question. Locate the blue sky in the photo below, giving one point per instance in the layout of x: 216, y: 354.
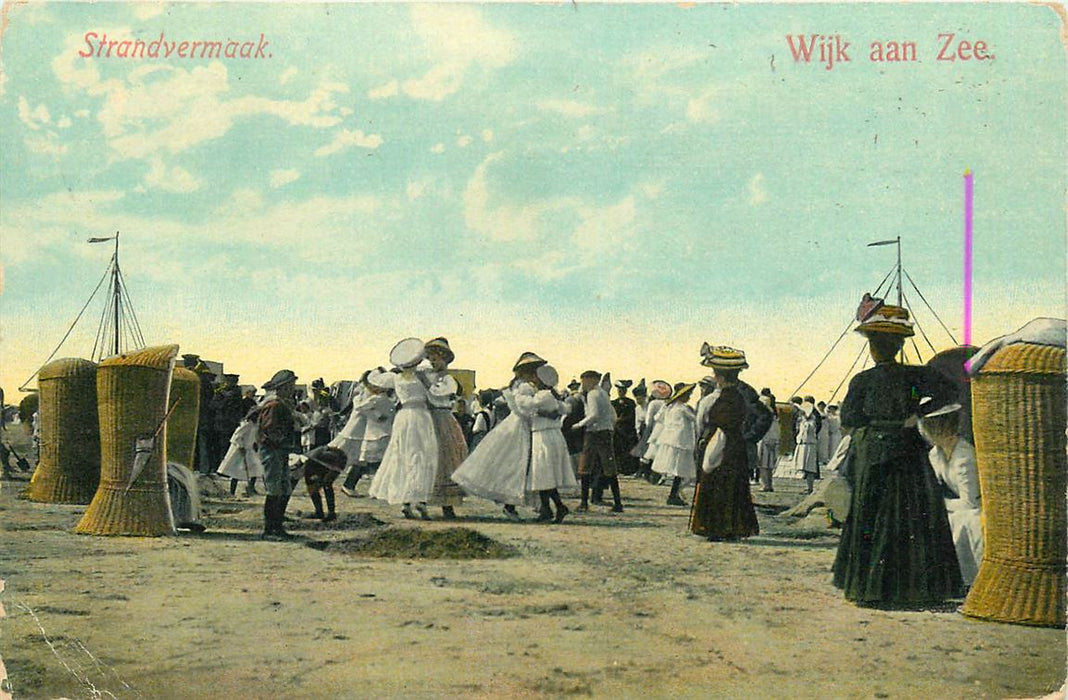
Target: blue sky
x: 609, y: 185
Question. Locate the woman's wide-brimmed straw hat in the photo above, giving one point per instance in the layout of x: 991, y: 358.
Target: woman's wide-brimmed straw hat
x: 623, y: 383
x: 877, y: 317
x: 407, y: 353
x: 548, y: 375
x: 280, y: 378
x: 661, y: 389
x: 682, y: 392
x: 442, y: 345
x: 723, y: 357
x: 529, y: 360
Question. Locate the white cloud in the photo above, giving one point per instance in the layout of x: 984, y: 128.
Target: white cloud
x: 757, y: 193
x: 64, y: 123
x: 157, y: 109
x: 281, y: 178
x: 437, y: 148
x: 702, y: 109
x: 175, y: 179
x: 287, y: 75
x: 349, y: 138
x: 390, y: 89
x: 569, y: 108
x: 34, y: 118
x: 416, y: 189
x: 457, y: 39
x: 464, y: 141
x: 487, y: 135
x: 148, y: 10
x: 46, y: 144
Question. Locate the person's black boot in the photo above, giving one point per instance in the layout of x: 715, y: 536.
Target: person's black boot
x: 233, y: 487
x: 561, y: 509
x: 673, y: 498
x: 317, y: 501
x: 331, y: 513
x: 597, y: 491
x: 250, y: 488
x: 585, y: 493
x: 349, y: 487
x: 448, y: 513
x: 268, y: 517
x: 617, y: 501
x: 546, y: 513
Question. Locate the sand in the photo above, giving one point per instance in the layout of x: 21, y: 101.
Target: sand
x: 603, y: 605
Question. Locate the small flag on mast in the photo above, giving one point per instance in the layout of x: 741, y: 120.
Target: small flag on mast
x: 890, y: 242
x: 101, y: 240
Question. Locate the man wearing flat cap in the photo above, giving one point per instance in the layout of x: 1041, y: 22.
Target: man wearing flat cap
x: 275, y: 421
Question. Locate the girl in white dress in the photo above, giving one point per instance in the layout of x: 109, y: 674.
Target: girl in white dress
x: 550, y: 463
x: 366, y: 434
x: 241, y: 462
x: 953, y: 460
x: 646, y: 449
x: 676, y: 442
x: 497, y: 469
x: 406, y: 474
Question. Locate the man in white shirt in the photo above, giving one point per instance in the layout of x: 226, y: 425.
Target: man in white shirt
x: 598, y: 460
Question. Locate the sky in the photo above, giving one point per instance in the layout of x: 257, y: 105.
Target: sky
x: 606, y: 185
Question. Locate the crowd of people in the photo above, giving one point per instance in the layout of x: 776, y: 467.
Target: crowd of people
x: 912, y: 536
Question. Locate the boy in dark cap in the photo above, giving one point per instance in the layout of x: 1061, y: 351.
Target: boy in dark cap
x: 275, y: 421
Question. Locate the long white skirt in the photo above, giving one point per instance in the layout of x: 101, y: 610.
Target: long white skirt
x: 675, y: 461
x: 968, y: 541
x: 767, y: 455
x: 550, y: 462
x: 499, y: 468
x: 241, y: 461
x: 805, y: 457
x: 406, y: 474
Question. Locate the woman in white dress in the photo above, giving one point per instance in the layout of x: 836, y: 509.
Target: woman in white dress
x: 805, y: 454
x: 646, y: 449
x: 241, y: 462
x: 452, y: 447
x: 677, y: 441
x: 550, y: 463
x: 953, y: 460
x: 768, y: 447
x: 366, y: 434
x: 406, y: 474
x: 497, y: 469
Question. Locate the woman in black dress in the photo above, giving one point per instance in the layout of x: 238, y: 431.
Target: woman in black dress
x: 722, y: 506
x: 896, y: 548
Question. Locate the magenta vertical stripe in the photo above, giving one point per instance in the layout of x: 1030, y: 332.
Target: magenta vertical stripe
x: 967, y: 257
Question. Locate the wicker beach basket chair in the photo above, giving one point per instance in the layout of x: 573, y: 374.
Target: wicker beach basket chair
x: 69, y: 467
x: 182, y: 425
x: 1019, y: 420
x: 133, y: 398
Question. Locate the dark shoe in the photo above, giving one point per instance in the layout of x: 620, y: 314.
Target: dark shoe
x: 561, y: 513
x: 448, y: 513
x: 511, y: 514
x: 544, y: 516
x: 421, y: 509
x: 617, y: 508
x: 406, y: 511
x: 676, y: 501
x: 312, y: 516
x: 330, y: 517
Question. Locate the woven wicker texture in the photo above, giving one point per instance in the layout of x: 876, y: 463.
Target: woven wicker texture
x: 1019, y: 418
x: 69, y: 467
x: 132, y: 393
x: 182, y: 425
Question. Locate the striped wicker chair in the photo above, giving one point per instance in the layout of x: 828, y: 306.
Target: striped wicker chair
x: 69, y: 468
x: 133, y: 393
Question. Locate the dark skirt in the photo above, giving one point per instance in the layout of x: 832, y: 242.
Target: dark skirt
x: 722, y: 506
x: 896, y: 548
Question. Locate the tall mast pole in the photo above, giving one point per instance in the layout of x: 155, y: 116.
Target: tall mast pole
x: 117, y: 292
x: 899, y: 302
